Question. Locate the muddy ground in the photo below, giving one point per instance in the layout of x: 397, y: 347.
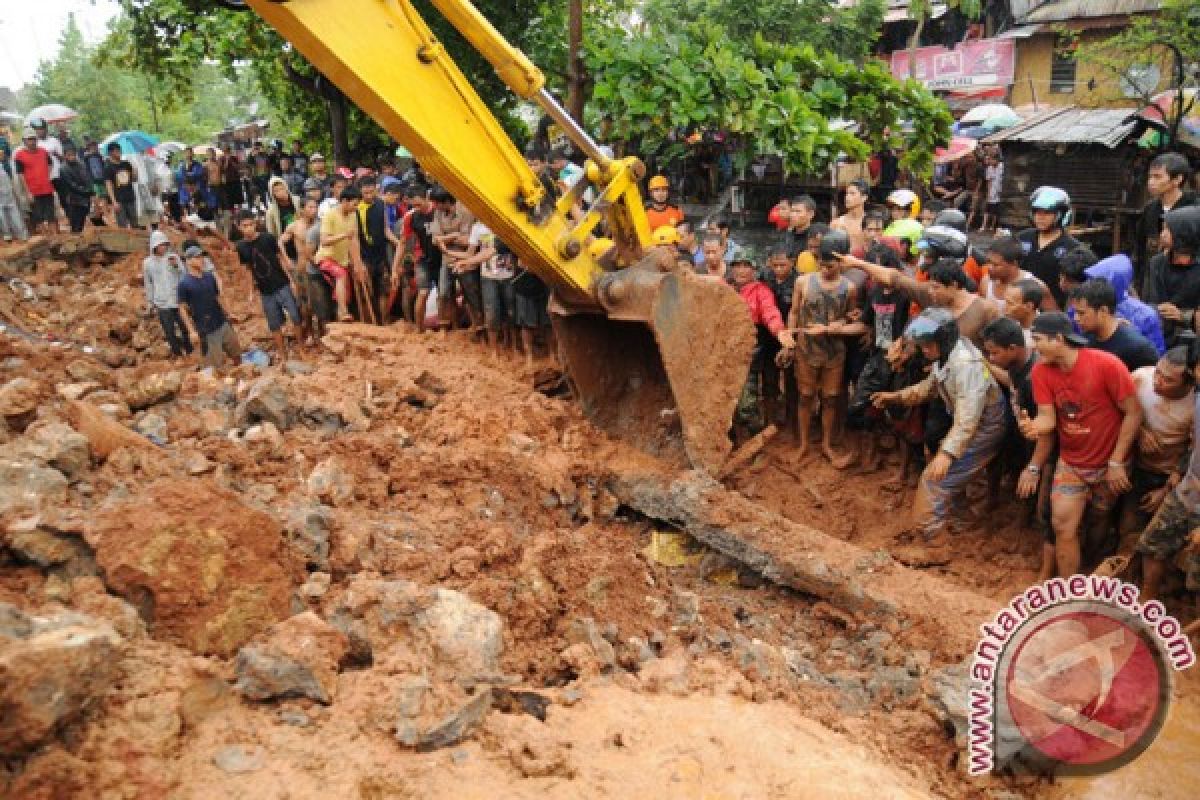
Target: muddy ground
x: 391, y: 568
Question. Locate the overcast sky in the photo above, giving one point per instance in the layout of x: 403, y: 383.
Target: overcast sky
x: 29, y: 32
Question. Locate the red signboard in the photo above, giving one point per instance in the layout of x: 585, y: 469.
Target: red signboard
x: 985, y: 62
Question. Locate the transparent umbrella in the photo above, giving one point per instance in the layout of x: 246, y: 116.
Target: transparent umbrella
x: 52, y: 113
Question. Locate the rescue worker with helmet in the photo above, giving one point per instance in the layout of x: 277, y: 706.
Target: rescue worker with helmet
x: 1047, y: 241
x: 902, y: 204
x: 959, y: 375
x: 660, y: 212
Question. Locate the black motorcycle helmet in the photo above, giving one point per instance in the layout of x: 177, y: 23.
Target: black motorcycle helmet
x: 951, y: 218
x: 944, y: 242
x: 834, y: 243
x: 935, y: 325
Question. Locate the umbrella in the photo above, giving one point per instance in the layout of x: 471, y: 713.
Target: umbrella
x: 991, y: 115
x: 1163, y: 104
x: 202, y: 150
x: 10, y: 118
x: 53, y: 112
x: 131, y: 141
x: 959, y: 146
x: 402, y: 152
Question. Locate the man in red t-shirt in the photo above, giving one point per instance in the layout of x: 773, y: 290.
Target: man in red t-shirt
x: 33, y: 164
x: 1088, y: 398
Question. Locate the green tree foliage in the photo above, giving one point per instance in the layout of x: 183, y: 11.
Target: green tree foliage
x: 1168, y: 39
x: 111, y: 98
x: 848, y: 34
x: 775, y: 98
x: 167, y: 38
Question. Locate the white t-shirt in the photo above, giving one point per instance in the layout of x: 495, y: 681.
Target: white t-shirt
x: 54, y: 147
x: 1167, y: 424
x: 995, y: 179
x: 494, y: 268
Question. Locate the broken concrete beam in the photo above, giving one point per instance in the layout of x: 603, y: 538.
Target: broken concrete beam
x: 805, y: 559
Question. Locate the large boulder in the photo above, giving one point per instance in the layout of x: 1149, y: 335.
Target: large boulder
x: 26, y: 486
x: 439, y: 631
x: 51, y: 670
x: 205, y: 570
x: 52, y: 444
x: 151, y: 389
x: 267, y: 400
x: 298, y: 657
x: 19, y: 399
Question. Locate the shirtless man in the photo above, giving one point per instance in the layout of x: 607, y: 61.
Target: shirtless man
x: 851, y: 221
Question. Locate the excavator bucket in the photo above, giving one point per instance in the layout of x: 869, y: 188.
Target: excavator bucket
x: 665, y: 367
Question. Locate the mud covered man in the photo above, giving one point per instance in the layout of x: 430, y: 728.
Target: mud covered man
x: 960, y: 376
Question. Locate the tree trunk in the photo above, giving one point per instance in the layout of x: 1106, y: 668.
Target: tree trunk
x: 912, y: 47
x: 577, y: 78
x: 335, y: 102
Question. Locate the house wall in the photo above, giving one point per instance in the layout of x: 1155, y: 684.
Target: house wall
x: 1034, y: 59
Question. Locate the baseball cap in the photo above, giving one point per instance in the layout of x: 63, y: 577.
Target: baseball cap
x: 316, y: 157
x: 193, y: 251
x: 1056, y: 323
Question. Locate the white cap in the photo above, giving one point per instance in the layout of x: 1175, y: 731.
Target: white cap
x: 316, y: 157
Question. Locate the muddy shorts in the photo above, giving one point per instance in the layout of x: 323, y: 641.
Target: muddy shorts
x: 1168, y: 533
x: 423, y: 272
x: 529, y: 311
x: 749, y: 414
x: 1071, y: 481
x: 332, y: 270
x: 498, y: 301
x: 42, y: 209
x: 220, y: 343
x: 320, y: 299
x: 276, y: 304
x: 469, y: 281
x: 826, y: 378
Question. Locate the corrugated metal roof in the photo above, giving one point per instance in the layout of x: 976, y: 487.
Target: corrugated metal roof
x: 1072, y: 125
x: 1063, y: 10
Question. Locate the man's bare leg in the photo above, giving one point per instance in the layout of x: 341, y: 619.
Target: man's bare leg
x: 419, y: 309
x: 829, y: 419
x: 804, y: 416
x: 1049, y: 562
x: 1066, y: 516
x: 1153, y: 570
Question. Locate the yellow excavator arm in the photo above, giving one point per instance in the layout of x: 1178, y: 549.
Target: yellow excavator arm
x: 636, y: 341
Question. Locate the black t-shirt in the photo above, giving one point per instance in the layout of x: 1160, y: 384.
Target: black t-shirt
x: 1044, y: 262
x: 1127, y: 344
x: 372, y: 234
x: 262, y: 257
x: 782, y: 290
x: 796, y: 243
x: 120, y: 174
x: 886, y: 314
x: 420, y: 222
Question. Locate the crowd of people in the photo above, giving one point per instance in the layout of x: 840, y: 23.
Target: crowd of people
x: 1030, y: 366
x: 377, y: 244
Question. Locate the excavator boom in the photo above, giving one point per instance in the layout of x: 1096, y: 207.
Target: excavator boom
x: 635, y: 341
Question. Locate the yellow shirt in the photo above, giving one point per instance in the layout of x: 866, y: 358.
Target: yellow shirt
x: 332, y: 224
x: 806, y: 263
